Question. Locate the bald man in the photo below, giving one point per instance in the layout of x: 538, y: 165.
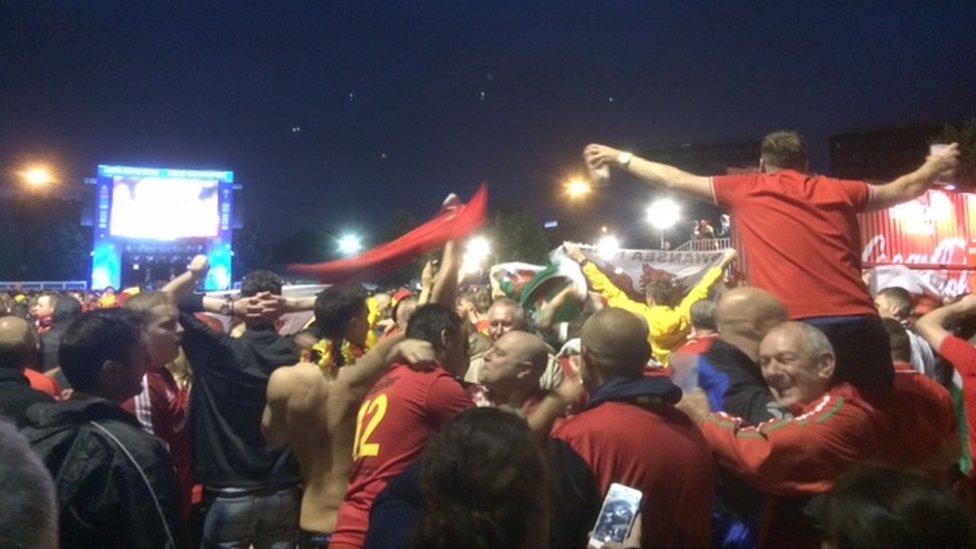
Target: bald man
x: 504, y: 316
x: 19, y: 351
x: 512, y: 368
x: 729, y: 372
x: 631, y: 434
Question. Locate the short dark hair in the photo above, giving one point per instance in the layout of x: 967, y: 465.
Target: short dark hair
x: 29, y: 517
x: 94, y: 338
x: 483, y: 480
x: 881, y: 506
x: 901, y: 346
x: 902, y: 300
x: 428, y: 321
x: 784, y: 150
x: 333, y: 309
x: 703, y: 315
x: 661, y: 291
x: 260, y: 281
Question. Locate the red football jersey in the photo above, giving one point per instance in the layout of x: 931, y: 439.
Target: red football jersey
x: 800, y: 235
x: 395, y: 421
x: 161, y: 410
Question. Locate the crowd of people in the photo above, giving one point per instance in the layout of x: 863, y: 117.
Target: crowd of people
x: 796, y: 410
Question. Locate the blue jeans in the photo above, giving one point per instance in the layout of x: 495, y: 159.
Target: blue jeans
x: 262, y: 518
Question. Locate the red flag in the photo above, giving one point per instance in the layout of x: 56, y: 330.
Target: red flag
x: 455, y: 220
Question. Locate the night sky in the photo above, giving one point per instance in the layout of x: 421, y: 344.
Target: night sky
x: 397, y: 104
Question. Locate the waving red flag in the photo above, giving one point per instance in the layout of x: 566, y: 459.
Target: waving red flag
x: 455, y: 220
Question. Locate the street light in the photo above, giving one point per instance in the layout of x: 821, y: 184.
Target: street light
x: 663, y: 214
x: 475, y: 254
x: 350, y: 244
x: 578, y: 188
x: 37, y: 176
x: 607, y: 246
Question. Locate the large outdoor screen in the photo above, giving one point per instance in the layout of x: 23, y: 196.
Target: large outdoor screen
x: 164, y: 208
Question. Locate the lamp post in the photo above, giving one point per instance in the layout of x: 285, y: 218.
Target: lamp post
x: 350, y: 244
x: 36, y: 176
x: 663, y: 214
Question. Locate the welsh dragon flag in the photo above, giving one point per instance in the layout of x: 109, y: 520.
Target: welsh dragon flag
x: 455, y: 220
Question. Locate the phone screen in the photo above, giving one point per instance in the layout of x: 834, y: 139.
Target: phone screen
x: 617, y: 516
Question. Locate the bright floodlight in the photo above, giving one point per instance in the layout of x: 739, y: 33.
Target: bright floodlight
x: 578, y: 188
x: 663, y: 213
x: 38, y: 176
x: 475, y: 254
x: 350, y: 244
x: 607, y: 246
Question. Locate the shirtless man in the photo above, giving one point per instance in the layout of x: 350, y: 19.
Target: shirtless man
x: 313, y: 410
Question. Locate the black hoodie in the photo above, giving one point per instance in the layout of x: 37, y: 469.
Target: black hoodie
x: 66, y: 309
x: 115, y: 483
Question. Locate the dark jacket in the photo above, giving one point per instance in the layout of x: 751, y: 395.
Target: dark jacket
x: 65, y: 311
x: 396, y: 512
x: 16, y: 396
x: 573, y: 493
x: 230, y: 385
x: 115, y: 483
x: 734, y: 384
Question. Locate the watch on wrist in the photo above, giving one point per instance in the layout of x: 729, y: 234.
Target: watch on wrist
x: 624, y: 159
x: 227, y: 307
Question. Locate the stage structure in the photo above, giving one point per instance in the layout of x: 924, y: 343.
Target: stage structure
x: 149, y: 222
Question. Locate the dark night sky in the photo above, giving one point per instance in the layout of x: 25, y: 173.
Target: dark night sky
x: 389, y: 96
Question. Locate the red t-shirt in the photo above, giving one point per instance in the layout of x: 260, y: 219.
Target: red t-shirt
x: 962, y: 356
x: 800, y: 235
x: 396, y: 419
x: 662, y: 454
x: 921, y: 416
x: 45, y: 384
x: 161, y: 411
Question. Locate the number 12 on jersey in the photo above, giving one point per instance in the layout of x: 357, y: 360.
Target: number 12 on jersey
x: 375, y: 409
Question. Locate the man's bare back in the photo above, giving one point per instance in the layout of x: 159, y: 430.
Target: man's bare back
x: 314, y: 413
x: 319, y: 426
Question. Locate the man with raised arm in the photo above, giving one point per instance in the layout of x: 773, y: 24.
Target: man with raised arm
x: 937, y: 329
x: 253, y: 489
x: 668, y: 319
x: 310, y: 406
x: 405, y: 407
x: 800, y: 237
x: 310, y: 411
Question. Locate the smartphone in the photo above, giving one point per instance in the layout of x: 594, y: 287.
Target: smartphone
x: 617, y: 516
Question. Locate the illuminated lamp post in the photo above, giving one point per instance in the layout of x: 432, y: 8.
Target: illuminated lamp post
x: 350, y: 244
x: 663, y: 214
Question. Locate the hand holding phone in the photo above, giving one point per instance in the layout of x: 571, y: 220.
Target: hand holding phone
x: 620, y: 509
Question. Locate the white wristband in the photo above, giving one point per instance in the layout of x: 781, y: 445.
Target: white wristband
x: 624, y: 159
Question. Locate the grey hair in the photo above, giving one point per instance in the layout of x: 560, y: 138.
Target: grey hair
x: 814, y: 340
